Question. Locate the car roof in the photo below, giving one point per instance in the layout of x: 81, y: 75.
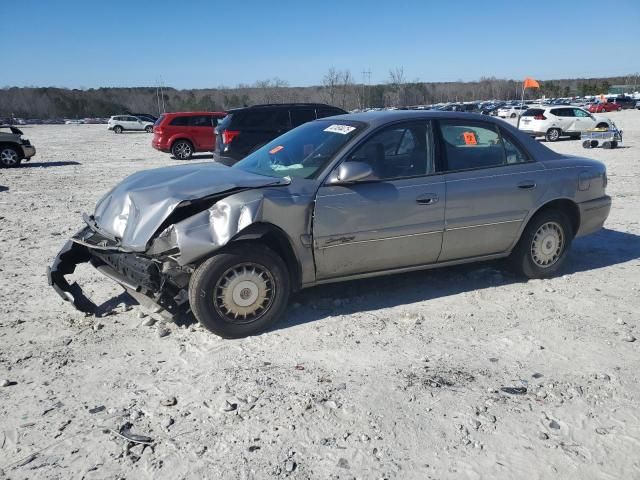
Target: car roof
x: 283, y: 105
x: 376, y: 119
x: 185, y: 114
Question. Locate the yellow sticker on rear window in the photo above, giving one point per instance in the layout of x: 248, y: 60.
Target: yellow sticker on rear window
x: 469, y: 138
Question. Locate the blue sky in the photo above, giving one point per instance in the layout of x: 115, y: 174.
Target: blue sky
x: 200, y: 43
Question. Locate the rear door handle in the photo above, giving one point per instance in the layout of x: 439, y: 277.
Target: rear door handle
x: 528, y: 185
x: 427, y: 199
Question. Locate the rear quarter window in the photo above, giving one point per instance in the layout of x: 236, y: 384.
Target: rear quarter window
x: 180, y: 122
x: 532, y: 112
x: 160, y: 119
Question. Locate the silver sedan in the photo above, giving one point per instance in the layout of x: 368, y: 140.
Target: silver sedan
x: 335, y: 199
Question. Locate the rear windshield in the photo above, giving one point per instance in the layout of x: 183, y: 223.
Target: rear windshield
x: 533, y: 112
x: 226, y: 121
x: 302, y: 152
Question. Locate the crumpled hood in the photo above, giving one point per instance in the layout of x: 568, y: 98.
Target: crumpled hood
x: 135, y: 208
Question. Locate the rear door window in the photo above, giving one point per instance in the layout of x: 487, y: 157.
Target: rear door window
x: 471, y: 145
x: 201, y: 121
x: 302, y: 115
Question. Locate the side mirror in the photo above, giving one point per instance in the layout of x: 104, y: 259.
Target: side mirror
x: 350, y: 172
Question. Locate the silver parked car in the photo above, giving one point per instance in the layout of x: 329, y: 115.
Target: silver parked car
x: 335, y: 199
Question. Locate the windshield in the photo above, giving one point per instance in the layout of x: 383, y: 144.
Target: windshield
x: 302, y: 152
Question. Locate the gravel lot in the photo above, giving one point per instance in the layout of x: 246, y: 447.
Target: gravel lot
x: 397, y: 377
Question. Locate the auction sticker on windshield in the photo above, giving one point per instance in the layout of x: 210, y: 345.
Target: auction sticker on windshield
x: 275, y: 150
x: 342, y: 129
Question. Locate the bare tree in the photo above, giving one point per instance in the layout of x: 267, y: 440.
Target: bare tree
x: 346, y: 85
x: 396, y: 84
x: 330, y: 84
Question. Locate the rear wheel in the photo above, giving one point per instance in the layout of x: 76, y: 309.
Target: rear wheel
x: 182, y: 150
x: 9, y: 157
x: 117, y: 129
x: 148, y: 128
x: 241, y: 291
x: 553, y: 135
x: 543, y: 246
x: 586, y: 144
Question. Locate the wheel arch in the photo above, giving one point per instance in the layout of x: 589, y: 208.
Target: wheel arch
x: 277, y: 240
x: 179, y: 138
x: 565, y: 205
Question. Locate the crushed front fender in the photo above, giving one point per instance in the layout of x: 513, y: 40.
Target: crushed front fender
x: 71, y: 255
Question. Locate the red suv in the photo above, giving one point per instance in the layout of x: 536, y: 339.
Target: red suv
x: 184, y: 133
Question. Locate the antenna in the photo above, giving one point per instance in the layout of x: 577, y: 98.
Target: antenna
x: 365, y: 74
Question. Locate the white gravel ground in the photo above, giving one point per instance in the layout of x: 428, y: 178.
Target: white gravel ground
x: 395, y: 377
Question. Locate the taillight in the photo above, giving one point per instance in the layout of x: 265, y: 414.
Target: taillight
x: 229, y: 135
x: 539, y: 117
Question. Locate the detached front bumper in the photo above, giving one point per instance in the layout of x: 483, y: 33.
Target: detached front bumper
x: 139, y: 275
x: 71, y: 255
x: 28, y: 151
x: 593, y: 214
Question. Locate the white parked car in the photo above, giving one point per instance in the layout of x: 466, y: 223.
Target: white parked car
x: 512, y: 111
x: 120, y: 123
x: 553, y: 122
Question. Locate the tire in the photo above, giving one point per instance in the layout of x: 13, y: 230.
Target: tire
x: 213, y: 296
x: 182, y: 150
x: 9, y: 157
x: 594, y: 143
x: 543, y: 246
x: 614, y: 144
x: 603, y: 125
x: 586, y: 144
x: 513, y: 115
x: 117, y: 129
x: 148, y: 129
x: 553, y: 135
x: 606, y: 145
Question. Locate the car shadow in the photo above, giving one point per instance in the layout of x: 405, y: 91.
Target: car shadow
x: 599, y: 250
x: 602, y: 249
x: 195, y: 157
x: 48, y: 164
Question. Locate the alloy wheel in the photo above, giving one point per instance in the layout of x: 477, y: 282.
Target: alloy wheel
x: 9, y: 157
x: 182, y: 150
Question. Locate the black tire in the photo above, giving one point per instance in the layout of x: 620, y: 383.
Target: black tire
x: 207, y: 290
x: 522, y: 257
x: 182, y: 150
x: 594, y: 143
x: 614, y: 144
x: 586, y: 144
x: 606, y: 145
x: 10, y: 156
x: 602, y: 125
x: 148, y: 128
x: 513, y: 115
x: 117, y: 129
x: 553, y: 135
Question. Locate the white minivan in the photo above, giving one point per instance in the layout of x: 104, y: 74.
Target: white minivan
x: 120, y: 123
x: 554, y: 122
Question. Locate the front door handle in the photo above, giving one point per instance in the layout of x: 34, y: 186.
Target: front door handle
x: 528, y: 185
x: 427, y: 199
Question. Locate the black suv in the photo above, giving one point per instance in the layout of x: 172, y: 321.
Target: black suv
x: 624, y: 102
x: 244, y: 130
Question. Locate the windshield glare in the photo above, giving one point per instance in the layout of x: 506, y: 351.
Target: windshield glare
x: 302, y: 152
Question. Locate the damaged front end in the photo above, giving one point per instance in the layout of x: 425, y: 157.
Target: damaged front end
x: 148, y: 232
x: 156, y: 283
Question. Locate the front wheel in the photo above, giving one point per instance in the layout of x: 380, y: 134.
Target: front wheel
x: 553, y: 135
x: 9, y: 157
x: 241, y: 291
x: 117, y: 129
x: 544, y: 244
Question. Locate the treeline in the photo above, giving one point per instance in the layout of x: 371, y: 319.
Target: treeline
x: 338, y: 88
